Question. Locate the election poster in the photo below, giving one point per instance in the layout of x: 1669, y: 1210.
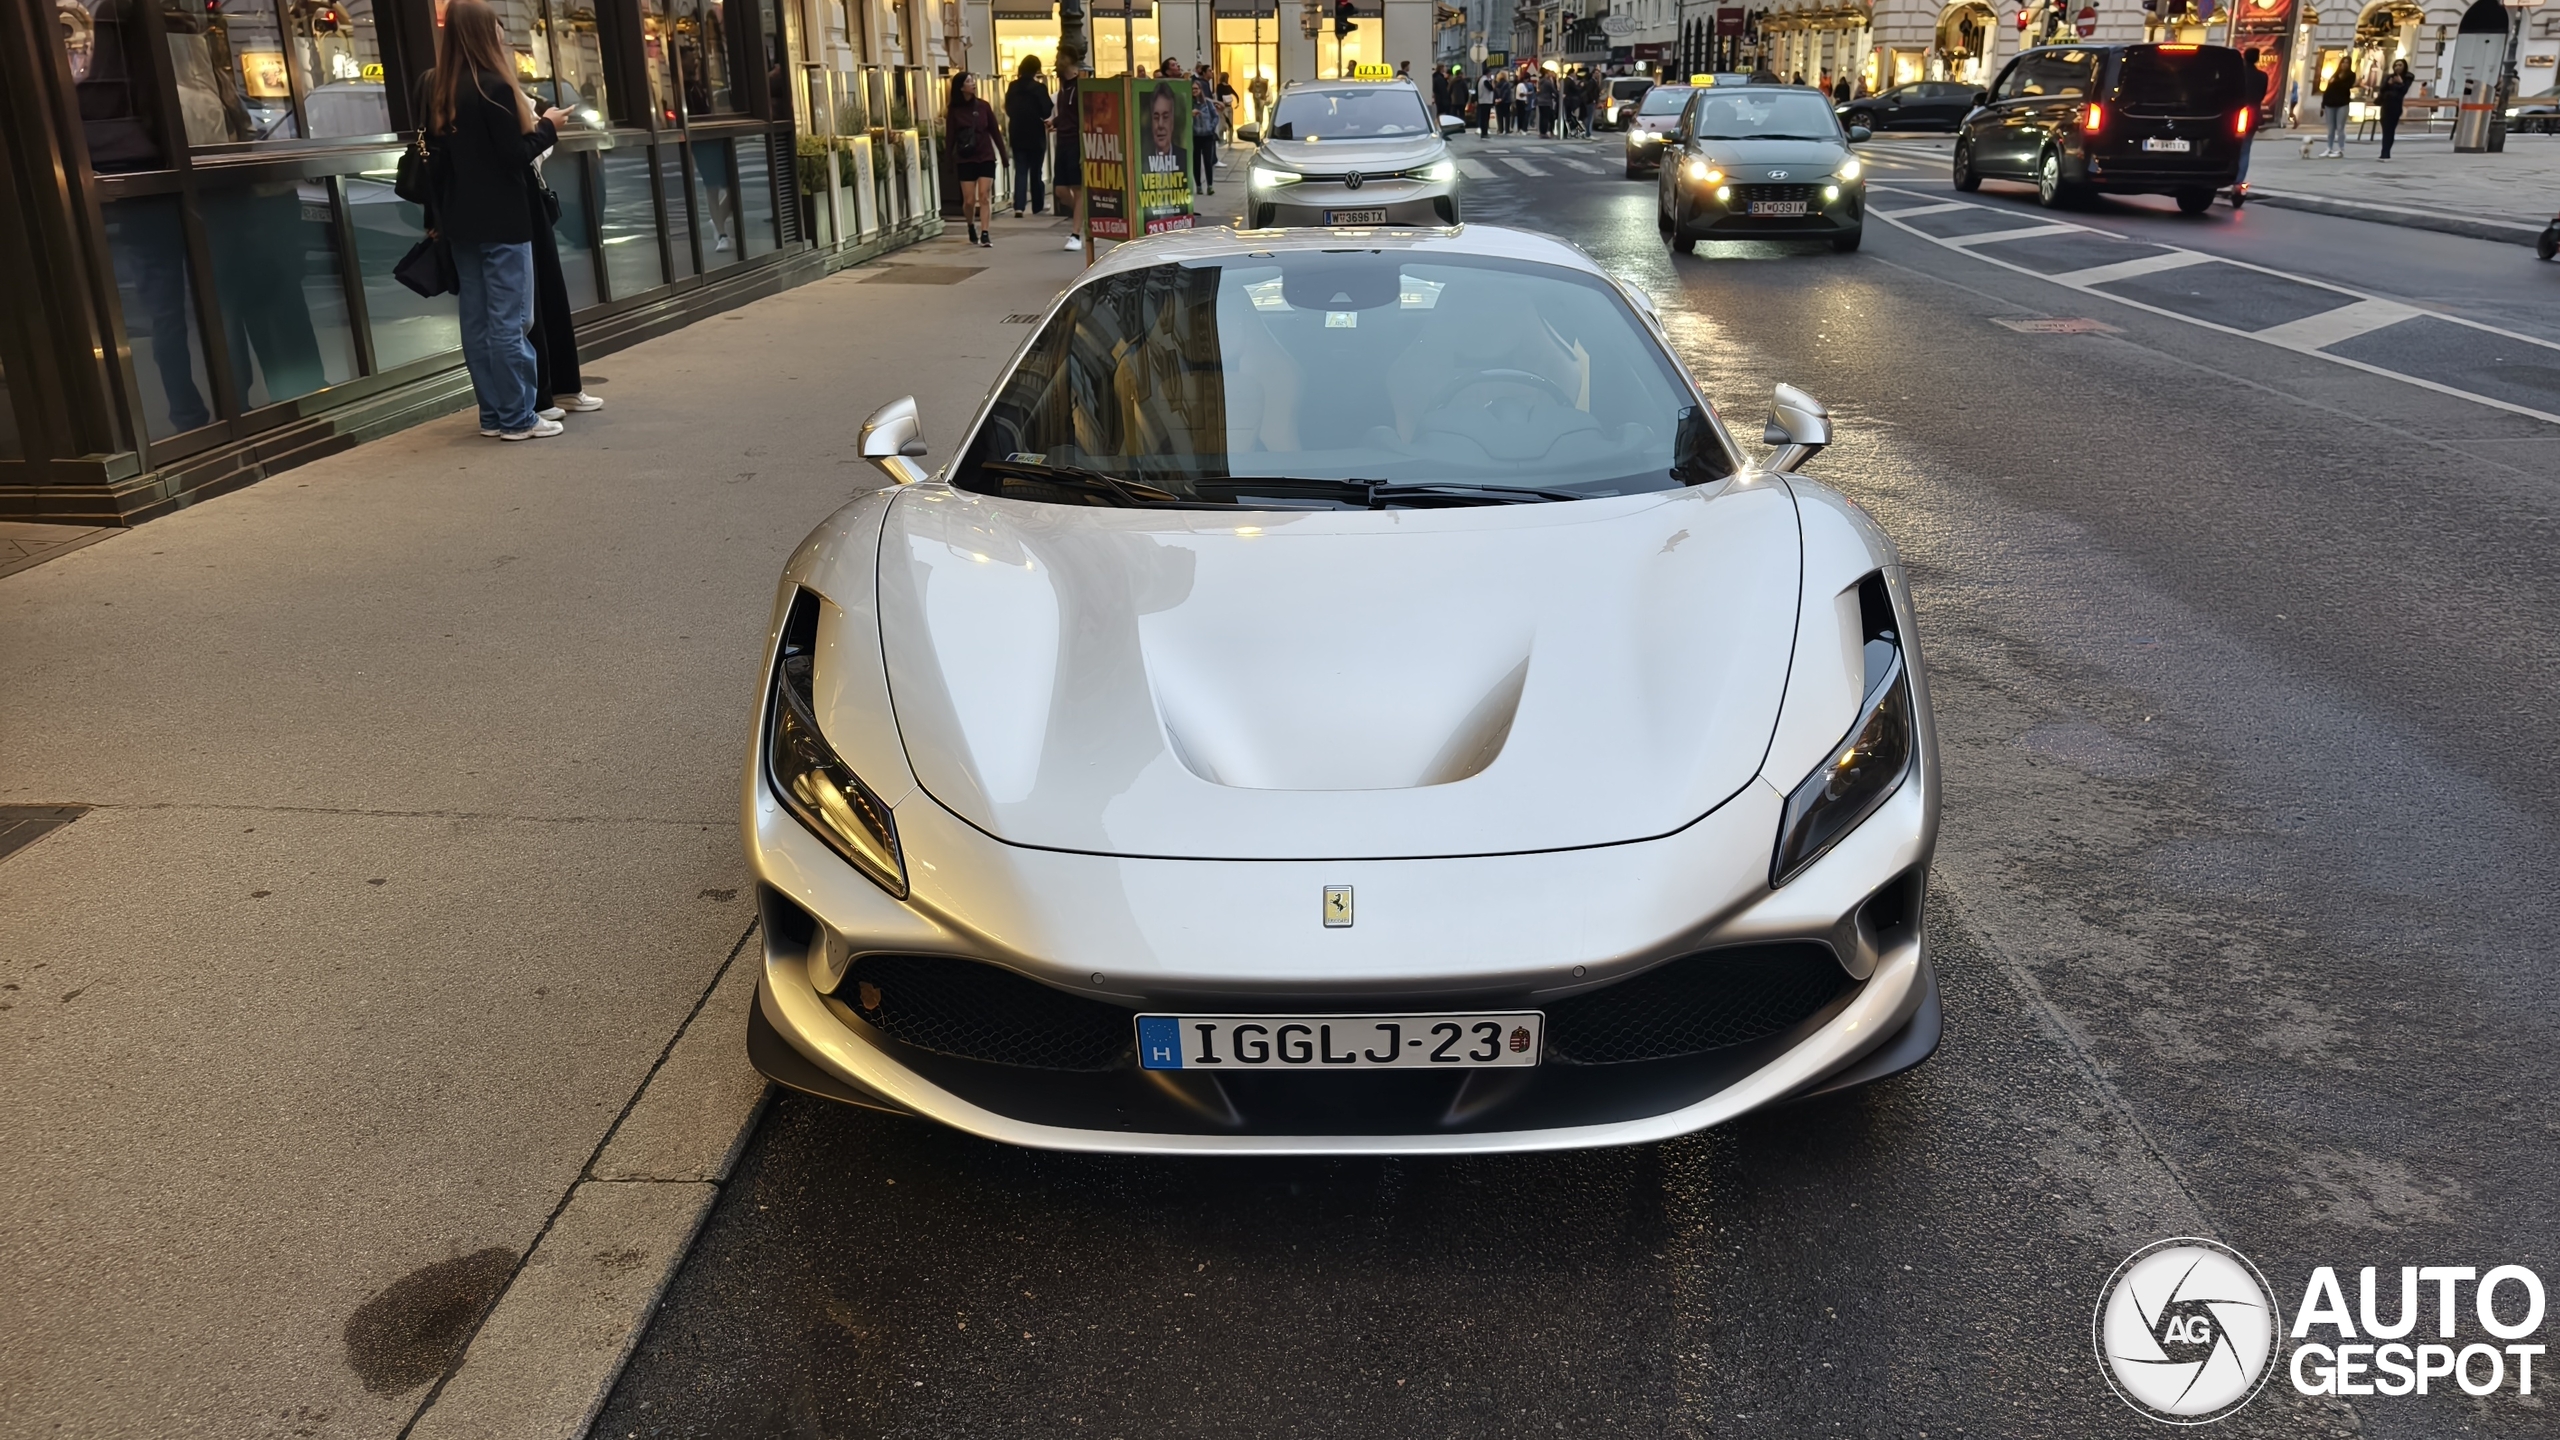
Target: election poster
x: 1137, y: 155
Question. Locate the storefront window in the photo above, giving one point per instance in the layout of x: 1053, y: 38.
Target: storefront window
x: 246, y: 76
x: 686, y: 43
x: 679, y: 212
x: 1247, y: 48
x: 716, y: 220
x: 150, y: 250
x: 1113, y: 32
x: 406, y: 326
x: 559, y: 56
x: 275, y: 274
x: 630, y: 224
x: 756, y: 232
x: 111, y: 77
x: 567, y: 176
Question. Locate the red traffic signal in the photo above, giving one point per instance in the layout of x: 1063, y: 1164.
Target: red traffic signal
x: 1343, y: 23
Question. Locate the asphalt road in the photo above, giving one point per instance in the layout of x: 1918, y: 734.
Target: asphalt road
x: 2245, y: 661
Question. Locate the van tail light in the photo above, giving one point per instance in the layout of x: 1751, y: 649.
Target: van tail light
x: 2093, y: 119
x: 2244, y: 120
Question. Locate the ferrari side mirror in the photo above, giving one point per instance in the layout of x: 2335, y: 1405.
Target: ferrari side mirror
x: 893, y: 439
x: 1798, y: 425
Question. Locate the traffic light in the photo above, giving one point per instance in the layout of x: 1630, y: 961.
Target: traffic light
x: 1343, y: 24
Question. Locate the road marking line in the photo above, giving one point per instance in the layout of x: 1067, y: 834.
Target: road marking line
x: 2126, y: 269
x: 1578, y: 165
x: 2344, y: 323
x: 2028, y: 232
x: 1938, y: 209
x: 2164, y: 312
x: 1524, y: 167
x: 1476, y: 169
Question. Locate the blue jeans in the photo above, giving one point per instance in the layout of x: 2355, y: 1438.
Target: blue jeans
x: 2336, y: 115
x: 1027, y: 158
x: 497, y: 310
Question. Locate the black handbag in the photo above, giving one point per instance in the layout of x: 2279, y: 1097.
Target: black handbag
x: 428, y: 268
x: 550, y: 201
x: 411, y: 183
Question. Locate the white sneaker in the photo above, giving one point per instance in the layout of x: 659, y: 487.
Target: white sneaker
x: 489, y: 433
x: 1074, y: 243
x: 551, y: 414
x: 723, y: 245
x: 581, y: 402
x: 542, y: 430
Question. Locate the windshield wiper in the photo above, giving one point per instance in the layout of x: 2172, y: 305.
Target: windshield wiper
x: 1377, y: 494
x: 1133, y: 494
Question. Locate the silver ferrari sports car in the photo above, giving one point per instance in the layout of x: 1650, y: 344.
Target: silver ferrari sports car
x: 1349, y: 692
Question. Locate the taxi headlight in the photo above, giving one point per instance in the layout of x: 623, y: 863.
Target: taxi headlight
x: 1437, y: 172
x: 1265, y: 178
x: 806, y: 775
x: 1849, y: 169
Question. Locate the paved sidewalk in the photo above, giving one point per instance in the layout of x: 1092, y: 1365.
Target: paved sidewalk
x: 413, y: 853
x: 2424, y: 185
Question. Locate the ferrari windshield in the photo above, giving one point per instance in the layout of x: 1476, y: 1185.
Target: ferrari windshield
x: 1763, y: 113
x: 1364, y: 112
x: 1344, y: 369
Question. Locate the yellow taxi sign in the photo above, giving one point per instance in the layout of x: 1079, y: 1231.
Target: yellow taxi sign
x: 1373, y: 72
x: 1702, y: 79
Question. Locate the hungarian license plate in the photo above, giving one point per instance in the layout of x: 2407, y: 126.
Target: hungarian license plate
x: 2171, y: 147
x: 1777, y: 207
x: 1355, y: 217
x: 1489, y: 1040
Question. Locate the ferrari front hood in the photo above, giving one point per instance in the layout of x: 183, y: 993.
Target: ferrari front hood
x: 1337, y: 684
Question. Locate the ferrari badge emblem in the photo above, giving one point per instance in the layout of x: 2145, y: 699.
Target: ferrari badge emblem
x: 1337, y: 906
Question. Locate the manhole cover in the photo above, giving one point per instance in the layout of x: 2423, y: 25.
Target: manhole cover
x: 2073, y: 326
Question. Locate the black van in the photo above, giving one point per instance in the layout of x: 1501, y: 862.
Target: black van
x: 2125, y: 119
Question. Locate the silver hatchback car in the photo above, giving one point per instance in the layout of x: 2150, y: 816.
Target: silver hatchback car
x: 1352, y: 152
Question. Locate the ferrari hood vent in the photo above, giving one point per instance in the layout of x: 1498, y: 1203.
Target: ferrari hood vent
x: 1337, y: 685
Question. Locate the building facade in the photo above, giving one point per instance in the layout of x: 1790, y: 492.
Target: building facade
x: 202, y: 228
x: 1878, y: 44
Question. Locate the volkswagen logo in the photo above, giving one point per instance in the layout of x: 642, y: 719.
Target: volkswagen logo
x: 1351, y: 181
x: 2186, y: 1331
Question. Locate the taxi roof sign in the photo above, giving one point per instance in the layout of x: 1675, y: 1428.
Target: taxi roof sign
x: 1370, y: 71
x: 1702, y: 79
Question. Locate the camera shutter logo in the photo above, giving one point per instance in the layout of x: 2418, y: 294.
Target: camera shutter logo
x: 2186, y: 1331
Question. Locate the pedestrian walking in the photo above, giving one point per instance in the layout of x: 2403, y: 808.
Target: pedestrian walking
x: 1226, y: 111
x: 1027, y: 108
x: 1204, y: 136
x: 1488, y: 99
x: 977, y: 144
x: 1066, y: 163
x: 2257, y: 86
x: 482, y: 136
x: 1840, y: 89
x: 2391, y: 95
x: 2333, y: 106
x: 1260, y: 89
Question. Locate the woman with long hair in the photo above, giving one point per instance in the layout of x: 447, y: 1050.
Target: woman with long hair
x: 977, y: 143
x: 1027, y: 108
x: 482, y: 136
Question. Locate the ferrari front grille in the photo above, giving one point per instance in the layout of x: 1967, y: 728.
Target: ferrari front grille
x: 984, y: 1012
x: 1697, y: 1003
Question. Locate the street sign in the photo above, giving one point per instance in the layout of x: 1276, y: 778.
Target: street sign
x: 1731, y: 20
x: 1137, y: 155
x: 2088, y: 25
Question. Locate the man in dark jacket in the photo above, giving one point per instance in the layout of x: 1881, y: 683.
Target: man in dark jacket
x: 1026, y: 118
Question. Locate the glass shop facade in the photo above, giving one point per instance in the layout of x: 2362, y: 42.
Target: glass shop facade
x: 200, y: 232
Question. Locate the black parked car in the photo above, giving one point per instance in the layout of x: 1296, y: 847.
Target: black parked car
x: 2124, y: 119
x: 1928, y: 105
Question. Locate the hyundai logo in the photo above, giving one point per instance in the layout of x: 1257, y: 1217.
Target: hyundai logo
x: 1777, y: 174
x: 1351, y: 181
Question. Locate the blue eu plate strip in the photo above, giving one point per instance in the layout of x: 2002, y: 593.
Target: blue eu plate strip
x: 1159, y: 1042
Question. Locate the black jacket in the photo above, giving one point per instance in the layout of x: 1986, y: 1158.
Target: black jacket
x: 481, y: 170
x: 1026, y: 108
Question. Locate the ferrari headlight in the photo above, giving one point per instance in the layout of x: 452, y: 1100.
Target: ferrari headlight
x: 1862, y: 770
x: 808, y: 777
x: 1266, y: 178
x: 1849, y: 169
x: 1437, y: 172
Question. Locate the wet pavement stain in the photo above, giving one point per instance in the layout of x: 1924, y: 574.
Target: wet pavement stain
x: 415, y: 1329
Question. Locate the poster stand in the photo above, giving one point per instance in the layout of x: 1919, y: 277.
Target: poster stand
x: 1136, y: 134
